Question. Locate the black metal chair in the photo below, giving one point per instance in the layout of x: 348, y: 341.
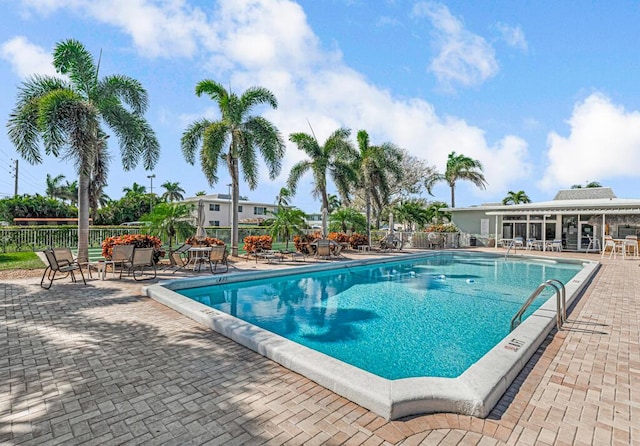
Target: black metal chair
x: 60, y: 260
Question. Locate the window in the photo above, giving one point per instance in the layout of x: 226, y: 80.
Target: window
x: 214, y: 207
x: 214, y: 222
x: 240, y: 208
x: 258, y: 210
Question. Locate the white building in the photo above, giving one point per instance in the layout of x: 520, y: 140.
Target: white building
x: 217, y: 209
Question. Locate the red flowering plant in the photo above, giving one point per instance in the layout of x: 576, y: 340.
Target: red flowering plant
x: 357, y: 240
x: 254, y: 243
x: 137, y: 240
x: 300, y: 241
x: 209, y: 241
x: 338, y: 237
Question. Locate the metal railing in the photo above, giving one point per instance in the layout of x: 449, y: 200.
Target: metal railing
x: 561, y: 311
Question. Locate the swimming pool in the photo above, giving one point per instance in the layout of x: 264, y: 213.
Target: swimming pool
x: 418, y: 335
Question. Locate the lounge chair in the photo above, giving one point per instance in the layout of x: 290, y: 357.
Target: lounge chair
x: 177, y: 259
x: 218, y: 255
x: 60, y: 260
x: 142, y: 258
x: 121, y: 255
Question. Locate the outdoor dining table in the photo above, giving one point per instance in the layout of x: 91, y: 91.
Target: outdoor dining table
x: 197, y: 256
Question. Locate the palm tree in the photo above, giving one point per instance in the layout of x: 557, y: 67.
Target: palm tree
x: 459, y: 167
x: 234, y: 138
x: 69, y: 114
x: 377, y: 168
x: 411, y: 212
x: 70, y: 192
x: 283, y: 197
x: 200, y: 193
x: 334, y: 203
x: 54, y: 186
x: 436, y: 213
x: 516, y: 197
x: 173, y: 191
x: 285, y: 222
x: 170, y: 220
x: 344, y: 219
x: 332, y: 159
x: 135, y: 189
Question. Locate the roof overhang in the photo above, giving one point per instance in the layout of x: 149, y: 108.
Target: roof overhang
x: 571, y: 211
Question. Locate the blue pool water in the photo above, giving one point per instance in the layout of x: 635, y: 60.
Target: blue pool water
x: 434, y: 316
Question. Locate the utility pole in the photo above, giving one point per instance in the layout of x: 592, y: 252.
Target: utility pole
x: 15, y: 176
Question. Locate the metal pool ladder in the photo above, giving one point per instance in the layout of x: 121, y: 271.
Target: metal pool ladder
x: 561, y: 303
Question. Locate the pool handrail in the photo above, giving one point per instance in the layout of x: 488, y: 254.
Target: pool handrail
x: 561, y: 312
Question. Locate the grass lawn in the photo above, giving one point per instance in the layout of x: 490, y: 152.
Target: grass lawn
x: 19, y: 260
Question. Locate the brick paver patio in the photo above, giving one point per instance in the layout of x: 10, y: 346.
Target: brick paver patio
x: 103, y: 364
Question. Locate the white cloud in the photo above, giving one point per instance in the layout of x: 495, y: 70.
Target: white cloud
x: 513, y: 36
x: 464, y: 59
x: 26, y: 58
x: 603, y: 143
x: 270, y: 43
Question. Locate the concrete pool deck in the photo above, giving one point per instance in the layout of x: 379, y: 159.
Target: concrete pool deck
x: 103, y: 364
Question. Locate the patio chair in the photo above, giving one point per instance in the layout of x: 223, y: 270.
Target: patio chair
x: 630, y: 246
x: 556, y: 245
x: 177, y: 257
x: 518, y: 242
x: 142, y: 258
x: 121, y: 255
x: 64, y: 264
x: 609, y: 245
x: 217, y: 255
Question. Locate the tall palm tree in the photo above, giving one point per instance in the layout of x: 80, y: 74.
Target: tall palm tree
x: 331, y: 159
x: 459, y: 167
x: 234, y: 138
x: 55, y: 189
x: 135, y: 189
x: 378, y: 167
x: 173, y: 191
x: 68, y: 116
x: 516, y: 197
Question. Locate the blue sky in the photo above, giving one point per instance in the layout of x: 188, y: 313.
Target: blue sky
x: 545, y: 94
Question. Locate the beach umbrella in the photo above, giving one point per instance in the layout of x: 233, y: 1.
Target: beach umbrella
x: 391, y: 223
x: 201, y: 234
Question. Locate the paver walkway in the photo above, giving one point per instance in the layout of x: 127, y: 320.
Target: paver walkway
x: 103, y: 364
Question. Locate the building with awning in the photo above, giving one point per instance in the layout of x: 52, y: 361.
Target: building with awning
x: 578, y: 217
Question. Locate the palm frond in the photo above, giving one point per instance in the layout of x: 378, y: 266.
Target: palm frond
x: 126, y: 89
x: 255, y: 96
x: 70, y: 57
x: 296, y: 173
x: 267, y: 138
x: 192, y: 137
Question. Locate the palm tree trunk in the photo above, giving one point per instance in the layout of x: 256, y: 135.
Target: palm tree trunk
x: 367, y: 199
x: 453, y: 195
x: 83, y: 217
x: 325, y: 211
x: 235, y: 197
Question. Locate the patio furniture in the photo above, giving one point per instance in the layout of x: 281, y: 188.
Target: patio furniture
x: 323, y: 249
x: 197, y: 256
x: 60, y: 264
x: 177, y: 257
x: 218, y: 255
x: 630, y: 245
x: 594, y: 244
x: 610, y: 245
x: 121, y: 255
x: 555, y: 245
x: 142, y: 259
x: 517, y: 242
